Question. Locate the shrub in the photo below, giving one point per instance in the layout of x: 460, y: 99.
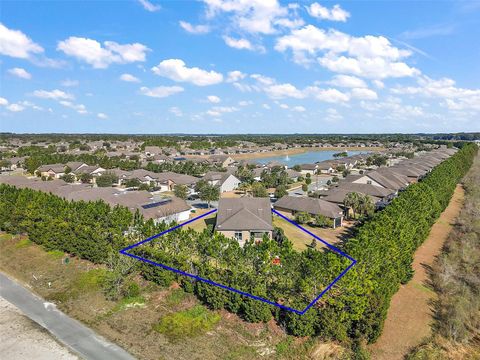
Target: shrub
x: 187, y: 323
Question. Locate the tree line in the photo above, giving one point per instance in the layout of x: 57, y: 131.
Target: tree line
x: 354, y: 308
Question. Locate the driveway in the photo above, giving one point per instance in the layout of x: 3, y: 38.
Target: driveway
x: 318, y: 183
x: 68, y: 331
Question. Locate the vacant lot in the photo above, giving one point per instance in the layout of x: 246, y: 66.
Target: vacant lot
x: 409, y: 318
x: 160, y: 323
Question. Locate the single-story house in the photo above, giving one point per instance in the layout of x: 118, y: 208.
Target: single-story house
x: 225, y: 180
x: 221, y: 160
x: 51, y: 170
x: 308, y: 169
x: 326, y: 167
x: 290, y: 205
x: 244, y: 218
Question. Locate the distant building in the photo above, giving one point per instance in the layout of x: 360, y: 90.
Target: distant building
x: 54, y: 171
x: 226, y: 181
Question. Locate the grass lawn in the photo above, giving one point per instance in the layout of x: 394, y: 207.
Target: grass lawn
x: 301, y: 239
x: 202, y: 223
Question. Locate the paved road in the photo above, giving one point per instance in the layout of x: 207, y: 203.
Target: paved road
x: 68, y: 331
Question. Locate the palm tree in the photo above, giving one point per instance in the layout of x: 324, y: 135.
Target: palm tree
x: 366, y: 205
x: 352, y: 200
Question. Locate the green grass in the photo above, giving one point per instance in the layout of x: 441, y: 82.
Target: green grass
x: 191, y: 322
x: 56, y: 254
x: 6, y: 237
x: 90, y: 281
x: 23, y: 243
x: 176, y: 297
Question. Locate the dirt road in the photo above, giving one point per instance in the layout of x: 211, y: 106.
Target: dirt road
x: 410, y: 314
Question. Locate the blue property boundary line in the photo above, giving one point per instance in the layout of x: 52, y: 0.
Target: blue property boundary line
x: 196, y: 277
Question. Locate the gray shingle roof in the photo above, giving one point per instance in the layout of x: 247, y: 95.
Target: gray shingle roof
x: 244, y: 214
x: 310, y: 205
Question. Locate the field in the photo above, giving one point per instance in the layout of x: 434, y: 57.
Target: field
x: 160, y: 323
x: 410, y: 315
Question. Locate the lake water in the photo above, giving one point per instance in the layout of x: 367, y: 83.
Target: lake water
x: 309, y: 157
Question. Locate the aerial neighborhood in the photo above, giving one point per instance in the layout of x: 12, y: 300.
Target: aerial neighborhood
x: 174, y: 183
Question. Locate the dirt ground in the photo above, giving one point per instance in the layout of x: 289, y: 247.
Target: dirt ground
x: 410, y: 315
x: 22, y: 338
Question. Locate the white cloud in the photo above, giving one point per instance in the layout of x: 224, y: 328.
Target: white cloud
x: 252, y: 16
x: 245, y: 102
x: 328, y: 95
x: 69, y: 83
x: 80, y: 108
x: 219, y: 110
x: 242, y: 44
x: 374, y: 68
x: 393, y: 108
x: 279, y: 91
x: 100, y: 57
x: 368, y: 56
x: 53, y: 94
x: 15, y: 107
x: 333, y: 115
x: 129, y: 78
x: 379, y: 84
x: 16, y: 44
x: 176, y: 70
x: 161, y: 91
x: 176, y: 111
x: 3, y: 101
x: 213, y: 99
x: 335, y: 14
x: 234, y: 76
x: 299, y: 108
x: 102, y: 116
x: 21, y: 73
x: 266, y: 106
x: 30, y: 105
x: 283, y: 106
x: 364, y: 94
x: 455, y: 98
x: 347, y: 81
x: 194, y: 29
x: 147, y: 5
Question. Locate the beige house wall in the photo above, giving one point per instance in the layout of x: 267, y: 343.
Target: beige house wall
x: 245, y: 235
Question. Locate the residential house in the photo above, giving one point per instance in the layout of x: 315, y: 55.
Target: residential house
x: 308, y: 169
x: 326, y: 167
x: 244, y: 218
x: 226, y: 181
x: 221, y: 160
x: 152, y: 150
x: 54, y: 171
x: 290, y: 205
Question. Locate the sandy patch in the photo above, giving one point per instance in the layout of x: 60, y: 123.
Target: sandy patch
x: 22, y: 338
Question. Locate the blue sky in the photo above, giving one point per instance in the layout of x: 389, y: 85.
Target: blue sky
x: 239, y: 66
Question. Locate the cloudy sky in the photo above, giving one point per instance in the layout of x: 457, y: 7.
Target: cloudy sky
x: 239, y: 66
